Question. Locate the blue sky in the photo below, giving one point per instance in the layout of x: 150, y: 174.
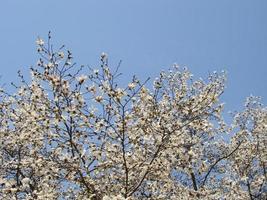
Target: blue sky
x: 147, y: 35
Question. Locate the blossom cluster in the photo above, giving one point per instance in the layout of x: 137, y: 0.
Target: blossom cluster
x: 75, y: 133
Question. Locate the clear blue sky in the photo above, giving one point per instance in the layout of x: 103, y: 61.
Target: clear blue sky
x: 148, y: 35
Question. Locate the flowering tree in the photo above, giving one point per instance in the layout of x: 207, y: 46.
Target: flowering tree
x: 75, y: 133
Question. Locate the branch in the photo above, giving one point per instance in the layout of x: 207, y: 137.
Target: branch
x: 220, y: 159
x: 194, y: 181
x: 164, y: 138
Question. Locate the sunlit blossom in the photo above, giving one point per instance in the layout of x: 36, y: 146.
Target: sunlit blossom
x: 66, y: 135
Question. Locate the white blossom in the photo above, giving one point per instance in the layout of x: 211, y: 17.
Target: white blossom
x: 65, y: 135
x: 40, y: 42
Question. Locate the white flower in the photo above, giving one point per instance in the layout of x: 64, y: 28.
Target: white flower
x: 40, y: 42
x: 25, y: 181
x: 61, y: 54
x: 119, y: 93
x: 50, y: 65
x: 191, y: 152
x: 106, y: 198
x: 96, y: 71
x: 99, y: 98
x: 131, y: 86
x: 91, y: 89
x: 39, y: 49
x: 104, y: 55
x: 82, y: 78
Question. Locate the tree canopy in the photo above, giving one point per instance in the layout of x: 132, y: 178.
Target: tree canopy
x: 77, y: 133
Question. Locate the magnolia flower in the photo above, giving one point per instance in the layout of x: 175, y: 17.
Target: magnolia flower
x: 61, y: 54
x: 103, y: 55
x: 82, y: 78
x: 50, y: 65
x: 92, y: 89
x: 26, y: 181
x: 96, y: 71
x: 157, y: 84
x: 99, y: 98
x: 131, y: 86
x: 40, y: 42
x: 39, y: 49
